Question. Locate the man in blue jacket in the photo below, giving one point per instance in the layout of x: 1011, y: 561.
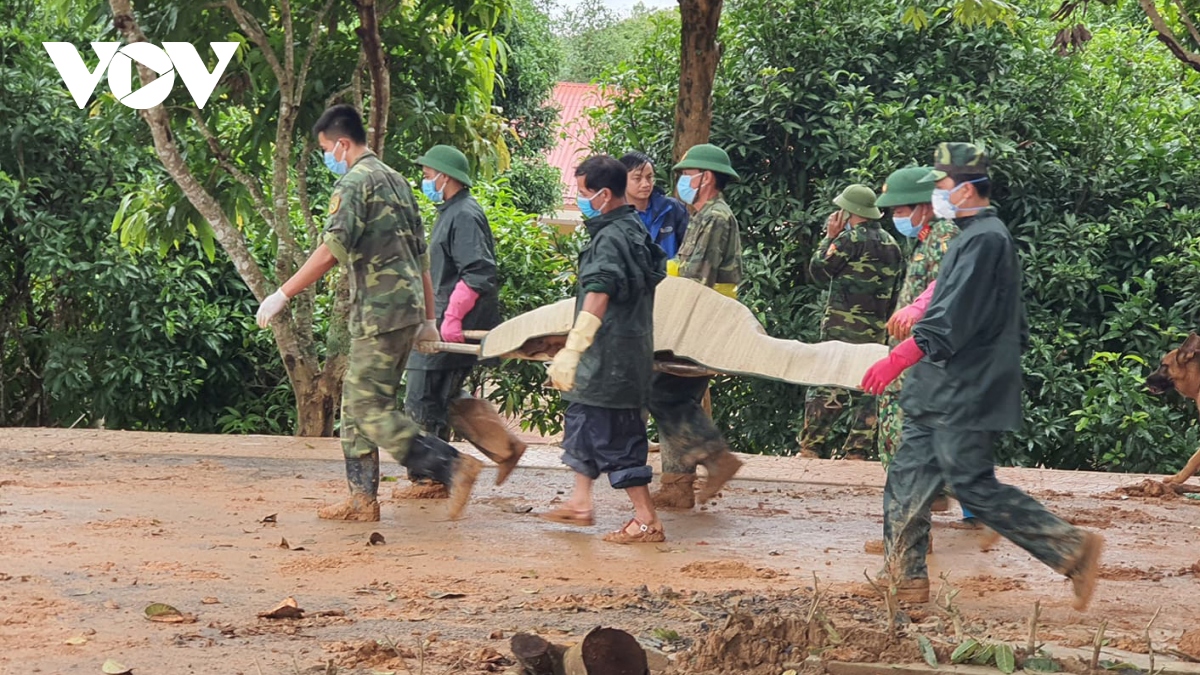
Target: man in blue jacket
x: 665, y: 218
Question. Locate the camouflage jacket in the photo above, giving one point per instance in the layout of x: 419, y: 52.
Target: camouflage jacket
x: 375, y: 232
x: 623, y: 263
x: 862, y: 267
x: 711, y: 252
x: 923, y: 264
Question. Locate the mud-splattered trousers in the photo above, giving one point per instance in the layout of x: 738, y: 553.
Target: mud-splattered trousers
x: 687, y: 435
x: 371, y: 418
x: 822, y: 408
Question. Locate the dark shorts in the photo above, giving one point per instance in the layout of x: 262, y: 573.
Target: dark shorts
x: 607, y: 441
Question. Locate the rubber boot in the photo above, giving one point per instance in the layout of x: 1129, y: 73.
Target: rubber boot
x: 431, y: 456
x: 676, y: 491
x: 362, y: 473
x: 422, y: 486
x: 1083, y: 569
x: 721, y: 467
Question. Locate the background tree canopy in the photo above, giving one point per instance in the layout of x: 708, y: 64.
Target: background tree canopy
x: 148, y: 324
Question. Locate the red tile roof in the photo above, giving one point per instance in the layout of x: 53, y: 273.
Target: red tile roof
x: 575, y: 131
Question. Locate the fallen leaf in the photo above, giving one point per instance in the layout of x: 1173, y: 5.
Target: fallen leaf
x: 164, y: 614
x: 75, y: 641
x: 329, y: 612
x: 283, y: 544
x: 444, y: 595
x: 111, y: 667
x: 391, y: 597
x: 376, y: 539
x: 288, y: 609
x: 78, y: 594
x: 496, y: 635
x: 210, y: 601
x: 273, y: 518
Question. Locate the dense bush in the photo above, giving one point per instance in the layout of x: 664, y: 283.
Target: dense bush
x: 1095, y: 163
x: 535, y: 186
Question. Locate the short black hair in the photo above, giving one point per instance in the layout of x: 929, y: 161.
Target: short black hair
x: 722, y: 180
x: 602, y: 171
x: 342, y: 121
x: 983, y: 188
x: 636, y: 160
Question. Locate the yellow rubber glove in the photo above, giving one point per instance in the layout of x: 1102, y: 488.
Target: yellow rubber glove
x: 673, y: 267
x: 728, y: 290
x: 566, y: 361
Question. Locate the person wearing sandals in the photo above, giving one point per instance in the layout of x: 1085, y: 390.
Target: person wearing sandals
x: 604, y: 369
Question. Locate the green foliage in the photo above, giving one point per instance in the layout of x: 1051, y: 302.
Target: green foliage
x: 595, y: 38
x: 533, y: 67
x: 1093, y: 157
x: 535, y: 185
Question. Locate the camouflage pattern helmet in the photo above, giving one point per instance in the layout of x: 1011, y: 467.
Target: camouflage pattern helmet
x: 959, y: 159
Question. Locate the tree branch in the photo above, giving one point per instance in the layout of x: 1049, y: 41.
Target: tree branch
x: 302, y: 189
x: 254, y: 31
x: 224, y: 160
x: 1187, y: 21
x: 314, y: 40
x: 289, y: 36
x: 381, y: 81
x: 1167, y: 36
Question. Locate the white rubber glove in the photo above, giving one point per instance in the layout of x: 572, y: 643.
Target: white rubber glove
x: 273, y: 305
x: 566, y: 361
x: 427, y: 335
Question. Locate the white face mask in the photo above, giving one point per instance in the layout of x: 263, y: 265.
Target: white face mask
x: 943, y: 203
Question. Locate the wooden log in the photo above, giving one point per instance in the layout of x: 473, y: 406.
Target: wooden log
x: 537, y: 656
x: 475, y: 334
x: 454, y: 347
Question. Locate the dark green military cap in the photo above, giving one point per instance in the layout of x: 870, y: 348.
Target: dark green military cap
x: 448, y: 160
x: 904, y: 187
x: 960, y: 159
x: 707, y: 157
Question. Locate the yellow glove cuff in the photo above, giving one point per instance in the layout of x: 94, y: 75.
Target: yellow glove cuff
x: 584, y: 332
x: 673, y: 267
x: 728, y: 290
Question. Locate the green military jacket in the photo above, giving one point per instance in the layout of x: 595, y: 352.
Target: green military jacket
x: 924, y: 261
x: 375, y: 232
x: 461, y: 247
x: 862, y: 267
x: 711, y: 252
x: 622, y: 262
x: 973, y: 334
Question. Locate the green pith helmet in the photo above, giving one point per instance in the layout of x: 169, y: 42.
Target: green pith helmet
x: 707, y: 157
x: 859, y: 200
x: 903, y: 188
x: 961, y: 159
x: 448, y: 160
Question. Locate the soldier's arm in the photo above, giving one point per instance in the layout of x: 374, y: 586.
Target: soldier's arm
x: 317, y: 266
x: 345, y: 220
x: 831, y: 257
x: 964, y: 286
x: 469, y: 250
x: 695, y: 256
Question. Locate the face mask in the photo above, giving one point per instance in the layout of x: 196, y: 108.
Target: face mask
x: 906, y: 227
x: 331, y: 162
x: 429, y: 187
x: 585, y: 205
x: 686, y: 192
x: 943, y: 204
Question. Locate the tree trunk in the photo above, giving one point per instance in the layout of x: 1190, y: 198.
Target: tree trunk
x: 381, y: 83
x: 318, y: 400
x: 698, y: 57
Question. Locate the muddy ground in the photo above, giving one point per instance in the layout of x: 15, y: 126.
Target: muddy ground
x: 96, y: 526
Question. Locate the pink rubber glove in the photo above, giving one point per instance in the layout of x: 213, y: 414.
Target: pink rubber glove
x: 902, y: 321
x: 886, y: 370
x: 922, y: 301
x: 462, y: 300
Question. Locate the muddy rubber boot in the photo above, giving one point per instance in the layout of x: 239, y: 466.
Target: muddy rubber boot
x: 421, y: 488
x: 721, y: 467
x: 1084, y: 570
x: 434, y: 457
x: 913, y: 590
x: 676, y: 491
x: 362, y: 473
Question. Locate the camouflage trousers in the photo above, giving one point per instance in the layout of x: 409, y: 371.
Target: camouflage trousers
x: 371, y: 418
x: 687, y: 435
x: 932, y: 456
x: 822, y: 408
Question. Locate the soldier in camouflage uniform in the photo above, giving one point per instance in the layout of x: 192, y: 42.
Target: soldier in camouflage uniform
x: 913, y: 216
x: 964, y: 390
x: 862, y: 264
x: 711, y: 254
x: 374, y: 231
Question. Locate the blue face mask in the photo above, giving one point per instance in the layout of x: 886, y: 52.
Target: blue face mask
x: 905, y: 226
x: 585, y: 205
x: 338, y: 167
x: 429, y: 187
x: 686, y: 192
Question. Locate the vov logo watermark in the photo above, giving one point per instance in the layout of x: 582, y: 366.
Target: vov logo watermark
x: 171, y: 58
